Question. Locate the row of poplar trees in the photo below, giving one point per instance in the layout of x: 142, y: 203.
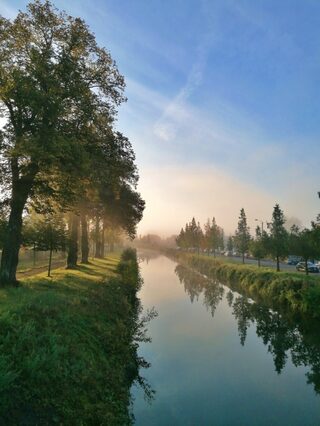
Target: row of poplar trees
x: 59, y: 150
x: 275, y: 242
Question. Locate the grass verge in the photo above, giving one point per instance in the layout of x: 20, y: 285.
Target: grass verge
x: 299, y: 292
x: 67, y: 350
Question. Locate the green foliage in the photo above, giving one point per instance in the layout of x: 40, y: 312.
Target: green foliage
x: 213, y: 236
x: 304, y: 243
x: 68, y: 351
x: 59, y: 92
x: 278, y: 239
x: 242, y: 237
x: 230, y: 243
x: 54, y: 80
x: 258, y: 246
x: 45, y: 232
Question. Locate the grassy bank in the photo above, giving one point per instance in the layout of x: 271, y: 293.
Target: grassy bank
x: 67, y: 350
x: 299, y: 292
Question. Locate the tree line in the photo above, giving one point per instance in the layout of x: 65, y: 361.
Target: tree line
x: 275, y: 241
x: 60, y: 154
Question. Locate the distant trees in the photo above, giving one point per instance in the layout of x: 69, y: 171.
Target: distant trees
x: 213, y: 236
x: 193, y: 237
x: 276, y: 242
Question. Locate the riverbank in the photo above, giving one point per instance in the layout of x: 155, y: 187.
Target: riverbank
x: 299, y: 292
x: 67, y: 349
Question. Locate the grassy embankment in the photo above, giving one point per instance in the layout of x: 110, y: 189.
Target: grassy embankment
x: 297, y: 291
x: 67, y: 350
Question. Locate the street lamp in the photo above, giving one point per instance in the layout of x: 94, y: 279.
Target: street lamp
x: 258, y: 220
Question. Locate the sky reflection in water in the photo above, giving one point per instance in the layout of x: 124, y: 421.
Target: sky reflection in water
x: 220, y: 359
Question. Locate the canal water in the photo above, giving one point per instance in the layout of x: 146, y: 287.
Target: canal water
x: 218, y: 358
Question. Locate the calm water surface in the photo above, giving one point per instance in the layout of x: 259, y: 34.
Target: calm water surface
x: 220, y: 359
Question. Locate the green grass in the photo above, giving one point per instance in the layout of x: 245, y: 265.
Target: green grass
x: 296, y: 291
x: 67, y: 354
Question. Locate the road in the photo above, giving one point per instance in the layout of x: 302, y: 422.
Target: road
x: 264, y: 262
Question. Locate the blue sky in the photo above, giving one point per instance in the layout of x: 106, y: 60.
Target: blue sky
x: 223, y: 103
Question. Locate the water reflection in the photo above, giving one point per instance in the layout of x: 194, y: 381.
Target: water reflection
x: 147, y: 255
x: 196, y: 284
x: 282, y: 333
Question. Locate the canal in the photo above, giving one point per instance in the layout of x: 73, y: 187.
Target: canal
x: 218, y: 358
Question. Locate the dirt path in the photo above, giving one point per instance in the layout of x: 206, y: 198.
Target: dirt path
x: 34, y: 271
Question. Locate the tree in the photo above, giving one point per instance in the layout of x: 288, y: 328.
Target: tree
x: 278, y: 238
x: 181, y: 239
x: 213, y: 236
x: 230, y: 243
x: 257, y: 245
x: 3, y: 227
x: 45, y: 233
x: 54, y: 78
x: 242, y: 237
x: 304, y: 243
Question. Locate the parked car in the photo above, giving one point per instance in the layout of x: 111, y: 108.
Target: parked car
x: 293, y: 260
x: 301, y: 266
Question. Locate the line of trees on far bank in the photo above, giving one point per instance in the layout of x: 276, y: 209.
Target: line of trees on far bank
x: 275, y: 242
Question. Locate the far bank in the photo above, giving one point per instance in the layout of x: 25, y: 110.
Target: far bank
x: 295, y: 291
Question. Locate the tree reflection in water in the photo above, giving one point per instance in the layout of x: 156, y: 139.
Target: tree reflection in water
x: 195, y: 283
x: 284, y: 334
x: 147, y: 255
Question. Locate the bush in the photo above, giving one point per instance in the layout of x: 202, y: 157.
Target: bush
x: 298, y: 292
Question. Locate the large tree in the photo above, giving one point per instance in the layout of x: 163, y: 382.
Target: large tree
x: 242, y: 237
x: 278, y: 238
x: 54, y: 78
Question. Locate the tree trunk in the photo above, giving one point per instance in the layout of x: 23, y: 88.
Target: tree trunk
x: 21, y: 187
x: 306, y: 266
x: 11, y: 247
x: 50, y: 261
x: 84, y: 240
x: 259, y: 262
x: 97, y: 238
x: 242, y: 257
x: 34, y: 255
x: 278, y: 264
x: 73, y: 242
x: 102, y: 238
x: 112, y: 246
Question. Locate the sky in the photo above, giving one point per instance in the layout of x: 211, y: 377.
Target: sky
x: 223, y: 106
